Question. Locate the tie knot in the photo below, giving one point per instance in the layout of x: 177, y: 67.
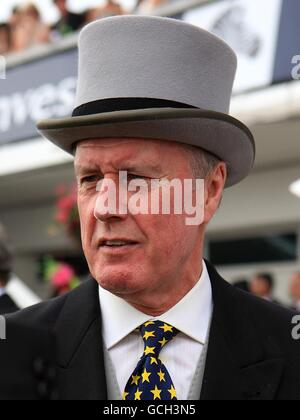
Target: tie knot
x: 156, y: 334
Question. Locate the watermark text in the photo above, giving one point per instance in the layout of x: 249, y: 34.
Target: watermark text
x: 155, y: 196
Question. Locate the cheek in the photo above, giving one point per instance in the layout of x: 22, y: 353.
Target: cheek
x: 87, y: 219
x: 181, y: 239
x: 167, y: 235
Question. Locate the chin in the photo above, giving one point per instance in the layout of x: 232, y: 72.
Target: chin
x: 117, y: 281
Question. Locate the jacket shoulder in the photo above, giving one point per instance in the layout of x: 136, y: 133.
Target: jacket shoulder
x: 269, y: 319
x: 265, y: 312
x: 41, y: 315
x: 45, y: 314
x: 272, y: 323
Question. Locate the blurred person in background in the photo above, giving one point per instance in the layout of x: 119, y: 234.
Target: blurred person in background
x: 5, y: 38
x: 295, y: 291
x: 148, y: 6
x: 262, y: 285
x: 28, y: 29
x: 68, y: 22
x: 242, y: 284
x: 111, y: 8
x: 15, y: 16
x: 7, y: 305
x: 14, y: 22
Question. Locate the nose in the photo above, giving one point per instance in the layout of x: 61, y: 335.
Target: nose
x: 111, y: 201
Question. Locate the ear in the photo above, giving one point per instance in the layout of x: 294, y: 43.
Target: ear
x: 214, y: 187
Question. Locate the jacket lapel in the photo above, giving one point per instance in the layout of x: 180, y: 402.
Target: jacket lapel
x: 239, y: 365
x: 81, y: 372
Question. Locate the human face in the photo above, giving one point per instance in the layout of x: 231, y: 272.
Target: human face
x: 165, y: 254
x: 259, y: 287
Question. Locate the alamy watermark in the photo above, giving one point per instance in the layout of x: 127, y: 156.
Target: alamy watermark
x: 2, y: 328
x: 296, y: 329
x: 296, y: 68
x: 2, y: 67
x: 152, y: 196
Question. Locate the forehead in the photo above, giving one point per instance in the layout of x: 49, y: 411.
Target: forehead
x: 118, y: 151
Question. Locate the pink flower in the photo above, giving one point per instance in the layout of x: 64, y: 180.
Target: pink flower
x: 63, y: 276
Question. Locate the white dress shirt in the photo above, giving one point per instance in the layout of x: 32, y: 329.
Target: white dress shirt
x: 191, y: 316
x: 2, y: 291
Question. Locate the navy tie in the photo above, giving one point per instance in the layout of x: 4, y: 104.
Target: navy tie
x: 151, y: 379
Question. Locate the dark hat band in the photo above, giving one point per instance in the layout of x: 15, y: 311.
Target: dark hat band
x: 125, y: 104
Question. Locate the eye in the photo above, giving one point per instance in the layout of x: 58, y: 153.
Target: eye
x: 90, y: 179
x: 135, y: 176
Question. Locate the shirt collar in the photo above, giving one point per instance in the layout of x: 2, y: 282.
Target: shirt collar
x: 2, y: 291
x: 190, y: 316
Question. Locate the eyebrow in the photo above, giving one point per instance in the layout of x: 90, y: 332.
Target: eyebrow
x: 84, y: 169
x: 137, y: 167
x: 131, y: 167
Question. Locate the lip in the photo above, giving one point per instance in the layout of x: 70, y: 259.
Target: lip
x: 118, y: 250
x: 102, y: 241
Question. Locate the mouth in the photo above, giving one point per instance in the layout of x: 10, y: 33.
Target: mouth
x: 117, y: 247
x: 116, y: 243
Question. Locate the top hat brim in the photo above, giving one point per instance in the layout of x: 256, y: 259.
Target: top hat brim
x: 219, y: 134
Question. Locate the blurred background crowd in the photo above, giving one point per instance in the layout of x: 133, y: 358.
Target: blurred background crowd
x: 254, y: 240
x: 26, y: 28
x: 262, y: 285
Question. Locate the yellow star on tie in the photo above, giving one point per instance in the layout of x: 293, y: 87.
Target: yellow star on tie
x: 145, y: 376
x: 172, y: 392
x: 149, y: 334
x: 149, y: 350
x: 161, y: 376
x: 156, y: 393
x: 149, y: 323
x: 167, y: 328
x: 124, y: 395
x: 163, y: 342
x: 154, y: 361
x: 137, y: 395
x: 135, y: 380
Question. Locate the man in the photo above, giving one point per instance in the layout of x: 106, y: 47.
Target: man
x: 7, y: 305
x: 295, y: 291
x: 262, y: 285
x: 242, y: 284
x: 157, y: 322
x: 27, y: 28
x: 68, y: 22
x: 5, y: 38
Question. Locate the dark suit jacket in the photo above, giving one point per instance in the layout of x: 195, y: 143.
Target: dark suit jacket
x: 7, y: 305
x: 251, y: 353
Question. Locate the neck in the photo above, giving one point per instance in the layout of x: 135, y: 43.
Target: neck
x: 160, y: 302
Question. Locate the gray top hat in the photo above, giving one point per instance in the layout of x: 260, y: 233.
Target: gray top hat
x: 5, y: 252
x: 159, y: 78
